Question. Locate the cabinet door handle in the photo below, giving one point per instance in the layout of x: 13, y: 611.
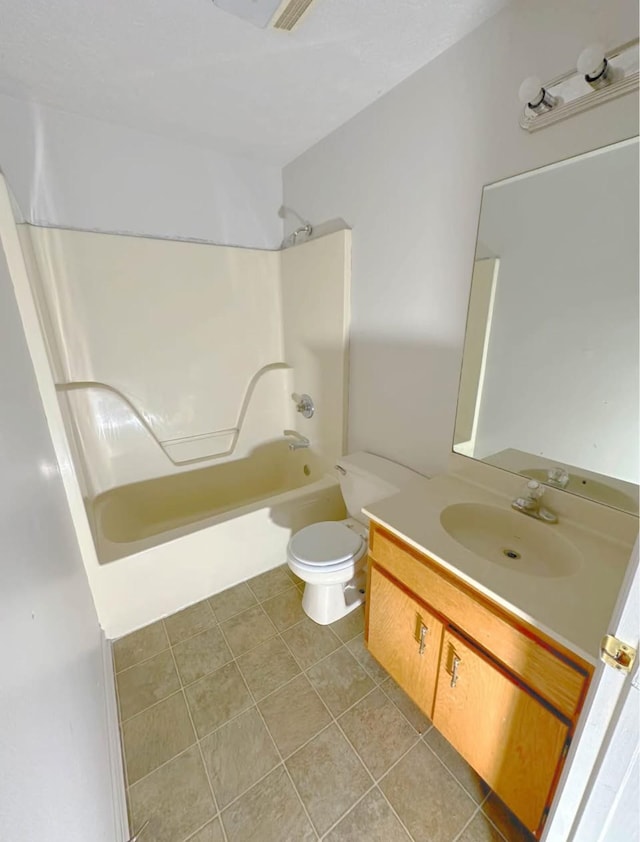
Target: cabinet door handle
x: 454, y: 671
x: 424, y: 631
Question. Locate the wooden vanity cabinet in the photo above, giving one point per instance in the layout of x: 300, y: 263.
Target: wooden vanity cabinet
x: 504, y: 695
x: 405, y: 637
x: 511, y: 739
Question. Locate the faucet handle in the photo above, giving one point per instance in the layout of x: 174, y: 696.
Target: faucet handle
x: 535, y: 490
x: 558, y: 476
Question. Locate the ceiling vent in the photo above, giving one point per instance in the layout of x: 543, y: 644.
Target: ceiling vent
x: 279, y: 14
x: 290, y: 13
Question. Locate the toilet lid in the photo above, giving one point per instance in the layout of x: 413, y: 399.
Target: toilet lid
x: 328, y: 542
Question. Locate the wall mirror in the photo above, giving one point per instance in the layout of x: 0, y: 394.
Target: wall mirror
x: 549, y: 381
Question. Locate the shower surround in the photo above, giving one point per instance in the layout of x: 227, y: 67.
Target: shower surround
x: 174, y: 364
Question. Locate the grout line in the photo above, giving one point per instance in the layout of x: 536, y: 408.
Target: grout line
x: 396, y: 814
x: 492, y: 823
x: 195, y: 734
x: 252, y: 697
x: 347, y: 811
x: 143, y: 661
x: 271, y: 596
x: 419, y: 733
x: 154, y: 705
x: 454, y: 776
x: 466, y: 825
x: 161, y: 765
x: 197, y: 830
x: 479, y: 811
x: 279, y: 753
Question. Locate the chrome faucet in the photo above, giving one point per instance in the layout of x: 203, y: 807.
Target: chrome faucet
x: 529, y: 503
x: 298, y: 440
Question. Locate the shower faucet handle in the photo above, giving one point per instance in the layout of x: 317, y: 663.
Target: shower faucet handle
x: 304, y: 405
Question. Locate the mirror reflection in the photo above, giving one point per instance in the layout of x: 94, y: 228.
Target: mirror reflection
x: 549, y: 381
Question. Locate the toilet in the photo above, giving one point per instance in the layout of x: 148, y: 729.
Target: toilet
x: 330, y: 556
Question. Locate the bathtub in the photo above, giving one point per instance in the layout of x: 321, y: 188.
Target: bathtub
x: 166, y: 543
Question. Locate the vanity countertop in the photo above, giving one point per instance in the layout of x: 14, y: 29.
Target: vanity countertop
x: 574, y: 610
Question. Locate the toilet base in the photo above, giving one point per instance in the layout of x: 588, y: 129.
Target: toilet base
x: 325, y: 604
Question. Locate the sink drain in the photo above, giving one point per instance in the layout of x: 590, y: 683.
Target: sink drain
x: 511, y: 554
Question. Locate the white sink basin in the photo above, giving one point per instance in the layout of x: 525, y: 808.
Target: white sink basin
x: 512, y: 540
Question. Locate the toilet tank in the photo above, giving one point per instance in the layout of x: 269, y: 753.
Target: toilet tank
x: 366, y: 478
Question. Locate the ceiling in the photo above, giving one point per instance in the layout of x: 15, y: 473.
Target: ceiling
x: 186, y: 69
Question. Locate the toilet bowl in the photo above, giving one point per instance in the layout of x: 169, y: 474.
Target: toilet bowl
x: 330, y: 556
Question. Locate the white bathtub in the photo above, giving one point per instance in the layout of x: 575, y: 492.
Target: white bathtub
x: 166, y: 543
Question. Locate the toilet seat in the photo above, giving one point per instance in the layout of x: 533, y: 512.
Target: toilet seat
x: 328, y: 545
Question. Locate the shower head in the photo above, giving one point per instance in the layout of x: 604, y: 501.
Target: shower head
x: 305, y: 230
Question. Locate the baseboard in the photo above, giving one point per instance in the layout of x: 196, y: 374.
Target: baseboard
x: 118, y: 787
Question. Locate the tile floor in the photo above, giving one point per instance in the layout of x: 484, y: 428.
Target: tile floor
x: 244, y: 721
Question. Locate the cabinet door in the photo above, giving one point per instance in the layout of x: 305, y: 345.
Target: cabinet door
x: 405, y: 638
x: 509, y: 737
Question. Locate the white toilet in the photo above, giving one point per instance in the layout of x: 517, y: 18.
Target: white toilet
x: 330, y: 556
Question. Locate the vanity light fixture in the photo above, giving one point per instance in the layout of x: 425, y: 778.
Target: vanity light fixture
x: 600, y: 77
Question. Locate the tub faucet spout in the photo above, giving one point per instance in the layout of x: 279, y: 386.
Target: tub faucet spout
x: 298, y: 440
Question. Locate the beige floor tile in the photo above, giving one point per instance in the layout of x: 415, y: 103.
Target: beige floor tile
x: 406, y: 706
x: 246, y: 630
x: 294, y: 578
x: 270, y: 812
x: 294, y: 715
x: 238, y: 755
x: 480, y: 830
x: 216, y: 698
x: 156, y: 735
x: 202, y: 654
x: 146, y: 683
x: 268, y: 667
x: 340, y: 681
x: 192, y: 620
x: 457, y: 765
x: 210, y: 833
x: 175, y: 798
x: 350, y: 626
x: 139, y: 645
x: 378, y: 731
x: 310, y: 642
x: 232, y: 601
x: 285, y: 610
x: 371, y: 820
x: 431, y: 804
x: 270, y: 583
x: 358, y: 649
x: 508, y: 825
x: 328, y: 776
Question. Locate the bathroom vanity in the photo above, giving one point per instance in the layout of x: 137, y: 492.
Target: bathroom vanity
x: 497, y: 650
x: 489, y: 618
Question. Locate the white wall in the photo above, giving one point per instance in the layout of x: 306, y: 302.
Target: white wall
x: 54, y: 761
x: 74, y: 172
x: 407, y: 174
x: 562, y: 365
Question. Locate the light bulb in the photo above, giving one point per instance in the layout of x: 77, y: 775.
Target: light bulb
x: 590, y: 60
x: 530, y: 90
x: 593, y: 65
x: 534, y: 96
